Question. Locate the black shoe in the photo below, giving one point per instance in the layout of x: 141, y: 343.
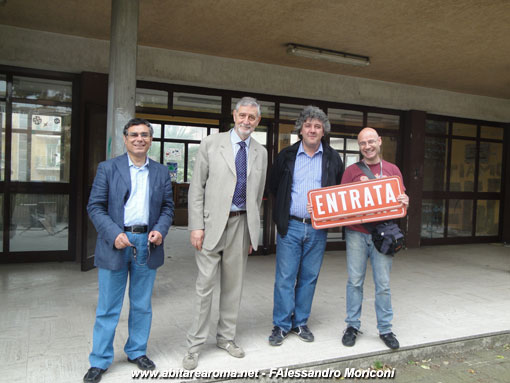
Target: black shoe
x: 93, y: 375
x: 390, y: 340
x: 303, y: 332
x: 277, y: 336
x: 143, y: 363
x: 349, y: 337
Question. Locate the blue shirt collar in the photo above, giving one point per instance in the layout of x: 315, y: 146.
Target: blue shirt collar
x: 234, y: 138
x: 131, y: 163
x: 301, y: 150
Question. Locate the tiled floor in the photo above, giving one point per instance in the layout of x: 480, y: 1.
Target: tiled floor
x: 439, y: 293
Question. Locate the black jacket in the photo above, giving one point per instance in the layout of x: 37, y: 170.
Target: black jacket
x: 280, y: 180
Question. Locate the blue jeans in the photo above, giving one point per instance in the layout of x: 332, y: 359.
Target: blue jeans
x: 298, y: 262
x: 359, y: 249
x: 112, y: 285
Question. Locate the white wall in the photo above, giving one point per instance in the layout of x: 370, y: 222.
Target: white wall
x: 51, y: 51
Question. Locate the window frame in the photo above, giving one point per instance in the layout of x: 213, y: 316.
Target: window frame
x: 8, y: 187
x: 474, y: 196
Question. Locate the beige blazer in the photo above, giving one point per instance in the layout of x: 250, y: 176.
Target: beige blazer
x: 213, y: 183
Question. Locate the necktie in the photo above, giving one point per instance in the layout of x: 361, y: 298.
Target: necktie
x: 241, y: 169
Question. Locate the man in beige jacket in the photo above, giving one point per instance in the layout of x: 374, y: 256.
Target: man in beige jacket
x: 224, y: 202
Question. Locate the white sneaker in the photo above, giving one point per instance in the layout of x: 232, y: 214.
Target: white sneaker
x: 190, y: 361
x: 232, y: 348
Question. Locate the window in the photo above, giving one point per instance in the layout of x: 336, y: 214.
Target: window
x: 487, y: 217
x: 197, y: 102
x: 286, y: 136
x: 345, y: 117
x: 290, y: 111
x: 436, y: 157
x: 39, y: 222
x: 175, y: 144
x: 41, y: 138
x: 462, y: 179
x: 432, y: 218
x: 462, y: 168
x: 41, y: 89
x: 36, y: 119
x: 151, y: 98
x: 346, y: 146
x: 383, y: 121
x: 490, y: 164
x: 182, y: 116
x: 3, y: 117
x: 3, y: 85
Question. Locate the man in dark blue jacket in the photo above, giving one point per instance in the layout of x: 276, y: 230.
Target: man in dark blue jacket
x: 132, y: 209
x: 308, y: 164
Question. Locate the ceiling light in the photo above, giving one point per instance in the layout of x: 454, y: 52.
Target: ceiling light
x: 327, y: 54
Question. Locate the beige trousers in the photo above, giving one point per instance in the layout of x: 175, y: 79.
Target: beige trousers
x: 234, y: 246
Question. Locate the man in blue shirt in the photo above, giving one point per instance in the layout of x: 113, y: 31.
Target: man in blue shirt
x: 131, y: 207
x: 308, y: 164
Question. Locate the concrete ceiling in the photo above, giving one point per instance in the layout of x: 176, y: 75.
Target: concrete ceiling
x: 457, y: 45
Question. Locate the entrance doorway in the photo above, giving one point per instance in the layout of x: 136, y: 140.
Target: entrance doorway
x: 35, y: 178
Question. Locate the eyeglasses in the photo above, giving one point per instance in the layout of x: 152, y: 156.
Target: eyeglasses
x: 362, y: 144
x: 135, y: 254
x: 144, y: 135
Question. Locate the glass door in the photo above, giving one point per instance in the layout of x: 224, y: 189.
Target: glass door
x: 462, y: 183
x: 35, y: 181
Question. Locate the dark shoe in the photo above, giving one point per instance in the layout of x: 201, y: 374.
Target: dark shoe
x: 143, y: 363
x: 390, y: 340
x: 303, y: 332
x: 277, y: 336
x: 93, y: 375
x: 349, y: 337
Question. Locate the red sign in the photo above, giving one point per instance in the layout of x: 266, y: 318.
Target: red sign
x: 357, y: 202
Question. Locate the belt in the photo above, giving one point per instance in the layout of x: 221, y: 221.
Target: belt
x: 236, y: 213
x: 304, y: 220
x: 136, y: 229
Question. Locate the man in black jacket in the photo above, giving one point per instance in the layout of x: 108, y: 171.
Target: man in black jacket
x: 308, y: 164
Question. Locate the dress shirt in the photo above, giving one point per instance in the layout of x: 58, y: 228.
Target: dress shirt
x: 307, y: 176
x: 136, y: 209
x: 235, y: 139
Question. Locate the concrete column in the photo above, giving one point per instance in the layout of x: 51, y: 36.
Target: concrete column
x: 122, y: 73
x: 505, y: 209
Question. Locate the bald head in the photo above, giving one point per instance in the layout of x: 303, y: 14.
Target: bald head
x: 367, y: 132
x: 370, y: 145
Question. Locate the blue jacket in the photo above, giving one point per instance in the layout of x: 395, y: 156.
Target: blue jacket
x: 110, y: 191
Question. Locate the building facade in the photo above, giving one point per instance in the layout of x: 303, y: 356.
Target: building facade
x: 452, y: 147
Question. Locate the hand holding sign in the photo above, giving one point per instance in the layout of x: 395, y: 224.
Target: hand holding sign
x: 357, y: 202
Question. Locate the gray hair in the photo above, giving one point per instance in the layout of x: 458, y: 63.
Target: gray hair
x: 248, y: 101
x: 313, y: 113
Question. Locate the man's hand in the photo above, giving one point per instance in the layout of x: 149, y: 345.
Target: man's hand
x: 122, y: 241
x: 197, y: 238
x: 309, y: 208
x: 404, y: 199
x: 155, y: 237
